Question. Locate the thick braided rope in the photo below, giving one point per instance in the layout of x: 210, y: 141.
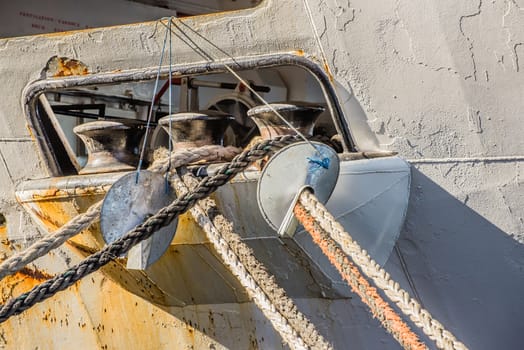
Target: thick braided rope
x: 420, y: 317
x: 44, y: 245
x: 379, y: 308
x: 141, y: 232
x: 294, y: 328
x: 182, y: 157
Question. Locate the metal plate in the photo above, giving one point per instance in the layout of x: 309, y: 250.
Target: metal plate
x: 127, y: 204
x: 287, y: 173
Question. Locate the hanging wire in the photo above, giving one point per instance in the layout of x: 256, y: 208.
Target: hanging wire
x: 170, y: 110
x: 193, y: 45
x: 148, y: 125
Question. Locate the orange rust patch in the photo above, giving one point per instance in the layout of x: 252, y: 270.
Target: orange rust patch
x: 31, y: 133
x: 328, y: 72
x: 3, y: 238
x: 188, y: 231
x: 21, y: 282
x: 87, y: 191
x: 52, y: 214
x: 64, y: 67
x: 299, y: 52
x: 54, y: 193
x: 67, y: 67
x: 81, y: 248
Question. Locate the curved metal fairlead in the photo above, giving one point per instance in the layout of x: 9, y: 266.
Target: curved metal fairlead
x: 287, y: 173
x: 369, y: 197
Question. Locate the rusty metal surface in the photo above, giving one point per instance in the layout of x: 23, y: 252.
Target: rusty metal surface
x: 187, y: 279
x: 64, y: 67
x: 403, y: 99
x: 188, y: 294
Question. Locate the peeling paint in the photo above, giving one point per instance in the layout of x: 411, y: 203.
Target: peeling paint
x: 64, y: 67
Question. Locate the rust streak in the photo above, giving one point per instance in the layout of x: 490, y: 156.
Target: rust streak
x: 52, y: 214
x: 35, y: 274
x: 328, y: 72
x: 21, y: 282
x: 52, y: 192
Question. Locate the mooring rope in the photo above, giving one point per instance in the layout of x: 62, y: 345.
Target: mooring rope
x: 422, y: 318
x: 141, y: 232
x: 164, y: 160
x: 380, y: 309
x: 80, y: 222
x: 44, y: 245
x: 293, y: 326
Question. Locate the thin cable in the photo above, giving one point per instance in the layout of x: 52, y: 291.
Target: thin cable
x: 142, y: 152
x: 320, y: 46
x: 210, y: 43
x: 196, y: 48
x: 248, y: 86
x: 170, y: 111
x: 411, y: 283
x: 211, y: 58
x: 156, y: 26
x: 315, y: 31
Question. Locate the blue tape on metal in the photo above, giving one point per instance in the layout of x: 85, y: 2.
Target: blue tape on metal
x: 324, y: 162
